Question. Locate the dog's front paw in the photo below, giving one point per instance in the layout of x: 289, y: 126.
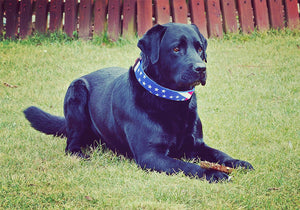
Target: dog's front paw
x: 235, y: 163
x: 215, y: 176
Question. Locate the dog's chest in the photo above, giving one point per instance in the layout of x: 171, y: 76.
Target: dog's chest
x: 181, y: 136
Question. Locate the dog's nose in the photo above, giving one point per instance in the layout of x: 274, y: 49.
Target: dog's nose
x: 199, y: 67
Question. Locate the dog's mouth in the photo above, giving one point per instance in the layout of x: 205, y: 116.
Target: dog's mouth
x: 192, y: 84
x: 197, y: 83
x: 190, y: 80
x: 201, y: 80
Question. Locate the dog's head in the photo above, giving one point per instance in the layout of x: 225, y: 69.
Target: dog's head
x: 174, y: 55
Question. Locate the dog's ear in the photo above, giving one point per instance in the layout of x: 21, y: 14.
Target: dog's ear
x: 150, y: 42
x: 203, y: 40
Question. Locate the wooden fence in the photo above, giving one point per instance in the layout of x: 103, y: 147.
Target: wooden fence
x: 19, y: 18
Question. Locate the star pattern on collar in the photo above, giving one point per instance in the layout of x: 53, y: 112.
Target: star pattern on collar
x: 157, y: 89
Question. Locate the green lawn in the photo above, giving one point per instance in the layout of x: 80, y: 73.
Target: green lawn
x: 249, y: 109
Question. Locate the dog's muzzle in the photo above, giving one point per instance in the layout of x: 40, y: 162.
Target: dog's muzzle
x: 200, y: 68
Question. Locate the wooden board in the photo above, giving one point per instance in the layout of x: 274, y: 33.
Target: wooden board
x: 25, y: 18
x: 292, y: 14
x: 100, y: 11
x: 70, y: 17
x: 229, y: 16
x: 245, y: 15
x: 179, y: 9
x: 11, y: 9
x: 41, y: 16
x: 113, y: 22
x: 198, y: 17
x: 129, y: 21
x: 144, y: 16
x: 215, y: 28
x: 261, y: 17
x: 85, y: 15
x: 55, y: 15
x: 162, y: 11
x: 1, y: 16
x: 276, y: 14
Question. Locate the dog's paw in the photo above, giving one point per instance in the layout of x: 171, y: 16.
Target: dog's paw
x: 215, y: 176
x: 235, y: 163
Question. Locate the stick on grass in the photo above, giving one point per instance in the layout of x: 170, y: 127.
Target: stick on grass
x: 216, y: 166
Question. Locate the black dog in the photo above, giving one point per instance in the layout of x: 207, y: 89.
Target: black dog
x: 148, y: 113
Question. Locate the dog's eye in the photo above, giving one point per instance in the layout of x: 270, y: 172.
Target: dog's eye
x: 176, y: 49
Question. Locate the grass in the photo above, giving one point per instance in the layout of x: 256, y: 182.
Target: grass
x: 249, y: 108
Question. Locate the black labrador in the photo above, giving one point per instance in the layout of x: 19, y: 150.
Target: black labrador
x: 148, y: 113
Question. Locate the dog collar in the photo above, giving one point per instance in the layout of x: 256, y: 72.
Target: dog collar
x: 157, y: 89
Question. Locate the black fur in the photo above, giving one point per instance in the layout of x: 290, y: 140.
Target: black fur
x: 111, y: 105
x: 46, y: 123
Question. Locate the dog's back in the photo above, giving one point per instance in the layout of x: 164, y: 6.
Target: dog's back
x: 56, y: 125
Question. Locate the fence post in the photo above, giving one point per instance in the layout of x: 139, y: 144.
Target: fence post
x: 261, y: 14
x: 292, y: 14
x: 1, y: 16
x: 25, y: 18
x: 198, y: 16
x: 113, y: 22
x: 100, y: 9
x: 41, y: 16
x: 129, y: 23
x: 70, y: 17
x: 229, y: 16
x: 11, y: 9
x: 55, y: 15
x: 179, y: 11
x: 214, y: 18
x: 144, y: 16
x: 276, y: 14
x: 162, y: 11
x: 245, y: 15
x: 85, y: 10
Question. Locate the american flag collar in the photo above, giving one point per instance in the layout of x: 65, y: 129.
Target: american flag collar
x: 157, y: 89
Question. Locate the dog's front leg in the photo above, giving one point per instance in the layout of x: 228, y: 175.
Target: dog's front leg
x: 162, y: 163
x: 204, y: 152
x: 150, y: 150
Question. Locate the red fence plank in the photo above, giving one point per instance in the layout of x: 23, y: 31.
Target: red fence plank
x: 245, y: 15
x: 85, y: 9
x: 1, y: 16
x: 292, y: 14
x: 198, y: 17
x: 25, y: 18
x: 41, y: 16
x: 229, y: 16
x: 179, y: 11
x: 276, y: 13
x: 100, y: 11
x: 261, y: 14
x: 144, y: 16
x: 214, y: 18
x: 11, y: 9
x: 55, y: 15
x: 70, y: 17
x: 113, y: 22
x: 129, y: 23
x: 162, y: 12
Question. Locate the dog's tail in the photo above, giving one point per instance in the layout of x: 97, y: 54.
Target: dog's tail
x: 45, y: 122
